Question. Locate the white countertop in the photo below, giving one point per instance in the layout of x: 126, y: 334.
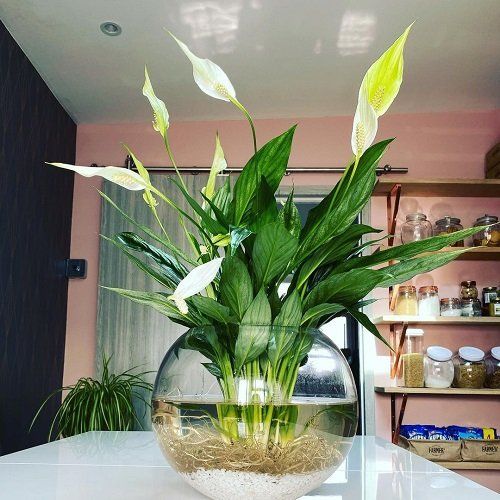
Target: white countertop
x: 130, y: 466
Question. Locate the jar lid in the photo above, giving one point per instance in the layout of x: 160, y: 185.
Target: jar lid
x: 414, y: 332
x: 471, y: 353
x: 495, y: 352
x: 416, y: 216
x: 489, y: 289
x: 407, y: 288
x: 449, y: 300
x: 447, y: 220
x: 487, y: 219
x: 468, y: 283
x: 439, y: 353
x: 427, y: 289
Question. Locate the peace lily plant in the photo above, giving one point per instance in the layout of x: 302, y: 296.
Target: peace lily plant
x: 243, y: 247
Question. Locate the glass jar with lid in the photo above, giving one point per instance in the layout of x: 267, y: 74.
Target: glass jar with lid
x: 448, y: 225
x: 406, y: 301
x: 415, y: 228
x: 494, y: 307
x: 428, y: 301
x: 468, y: 290
x: 438, y: 367
x: 490, y: 236
x: 492, y: 362
x: 489, y: 293
x: 471, y: 307
x: 450, y: 307
x: 411, y: 372
x: 470, y: 368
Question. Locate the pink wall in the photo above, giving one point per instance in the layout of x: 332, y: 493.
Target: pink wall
x: 445, y: 145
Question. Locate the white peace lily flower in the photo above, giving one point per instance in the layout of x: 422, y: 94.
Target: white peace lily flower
x: 365, y: 125
x: 196, y: 281
x: 209, y: 76
x: 119, y: 175
x: 160, y: 113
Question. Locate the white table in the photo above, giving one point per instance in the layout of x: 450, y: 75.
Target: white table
x: 130, y: 466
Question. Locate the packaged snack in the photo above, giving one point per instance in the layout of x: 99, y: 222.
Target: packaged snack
x: 489, y: 433
x: 439, y: 434
x: 458, y: 432
x: 415, y: 431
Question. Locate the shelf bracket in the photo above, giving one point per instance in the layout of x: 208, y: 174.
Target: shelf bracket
x: 396, y: 425
x: 392, y: 215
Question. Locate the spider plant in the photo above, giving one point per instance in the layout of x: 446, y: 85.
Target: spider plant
x: 98, y: 405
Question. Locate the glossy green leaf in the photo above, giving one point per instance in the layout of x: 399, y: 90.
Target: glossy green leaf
x: 212, y: 309
x: 313, y: 315
x: 289, y: 216
x: 235, y: 286
x: 238, y: 236
x: 366, y: 323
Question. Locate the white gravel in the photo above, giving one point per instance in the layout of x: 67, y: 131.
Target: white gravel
x: 221, y: 484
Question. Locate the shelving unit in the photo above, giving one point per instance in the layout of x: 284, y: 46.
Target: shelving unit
x: 427, y: 391
x: 470, y: 465
x: 395, y: 319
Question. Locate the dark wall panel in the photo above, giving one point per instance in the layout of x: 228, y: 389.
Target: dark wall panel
x: 35, y: 229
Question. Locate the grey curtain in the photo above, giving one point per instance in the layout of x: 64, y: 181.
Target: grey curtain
x: 133, y: 334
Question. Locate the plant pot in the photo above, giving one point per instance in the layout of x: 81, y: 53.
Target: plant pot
x: 274, y: 428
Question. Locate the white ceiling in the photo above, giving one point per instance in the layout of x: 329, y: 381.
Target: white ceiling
x: 285, y: 58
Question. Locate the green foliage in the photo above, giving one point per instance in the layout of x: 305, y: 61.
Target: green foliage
x: 98, y: 405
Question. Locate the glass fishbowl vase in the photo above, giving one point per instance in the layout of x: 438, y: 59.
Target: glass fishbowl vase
x: 252, y: 411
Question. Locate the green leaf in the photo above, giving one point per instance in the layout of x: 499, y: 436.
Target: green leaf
x: 289, y: 216
x: 273, y: 250
x: 264, y: 208
x: 235, y: 286
x: 203, y: 340
x: 341, y: 207
x: 270, y: 161
x: 220, y: 216
x: 345, y: 288
x: 313, y: 315
x: 222, y: 198
x: 407, y: 269
x: 285, y: 327
x: 213, y: 369
x: 254, y: 331
x: 238, y: 235
x: 365, y: 321
x: 157, y: 302
x: 212, y: 309
x: 408, y: 250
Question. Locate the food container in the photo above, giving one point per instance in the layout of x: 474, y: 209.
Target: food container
x: 415, y: 228
x: 470, y: 368
x: 406, y: 301
x: 438, y: 367
x: 471, y: 307
x: 492, y: 362
x: 428, y: 301
x: 494, y: 307
x: 411, y: 373
x: 490, y: 236
x: 468, y: 290
x: 489, y: 293
x: 450, y: 307
x: 448, y: 225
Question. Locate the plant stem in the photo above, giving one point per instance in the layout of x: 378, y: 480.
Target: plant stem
x: 248, y: 117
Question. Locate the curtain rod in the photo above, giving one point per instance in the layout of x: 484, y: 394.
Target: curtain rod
x: 194, y: 170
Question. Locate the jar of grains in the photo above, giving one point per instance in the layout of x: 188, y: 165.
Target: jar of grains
x: 468, y: 290
x: 450, y: 307
x: 428, y: 301
x: 406, y: 301
x: 411, y: 373
x: 448, y: 225
x: 491, y: 235
x: 415, y: 228
x: 470, y: 368
x: 471, y: 307
x: 438, y: 367
x: 493, y: 368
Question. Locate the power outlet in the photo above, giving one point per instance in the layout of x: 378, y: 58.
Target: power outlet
x: 76, y: 268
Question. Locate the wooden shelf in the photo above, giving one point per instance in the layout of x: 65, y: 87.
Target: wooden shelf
x: 470, y: 465
x: 472, y: 188
x: 451, y: 391
x: 394, y: 319
x: 477, y: 253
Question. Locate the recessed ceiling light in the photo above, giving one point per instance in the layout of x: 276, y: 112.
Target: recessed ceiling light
x: 111, y: 29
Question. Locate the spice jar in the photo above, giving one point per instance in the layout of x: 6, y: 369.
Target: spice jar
x: 471, y: 307
x: 438, y: 367
x: 489, y: 293
x: 470, y: 368
x: 411, y: 373
x: 448, y: 225
x: 490, y: 236
x: 416, y: 228
x: 428, y: 301
x: 450, y: 307
x: 492, y: 362
x: 468, y: 290
x: 406, y: 301
x: 494, y: 307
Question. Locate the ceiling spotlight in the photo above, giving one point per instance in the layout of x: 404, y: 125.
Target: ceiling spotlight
x: 111, y: 29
